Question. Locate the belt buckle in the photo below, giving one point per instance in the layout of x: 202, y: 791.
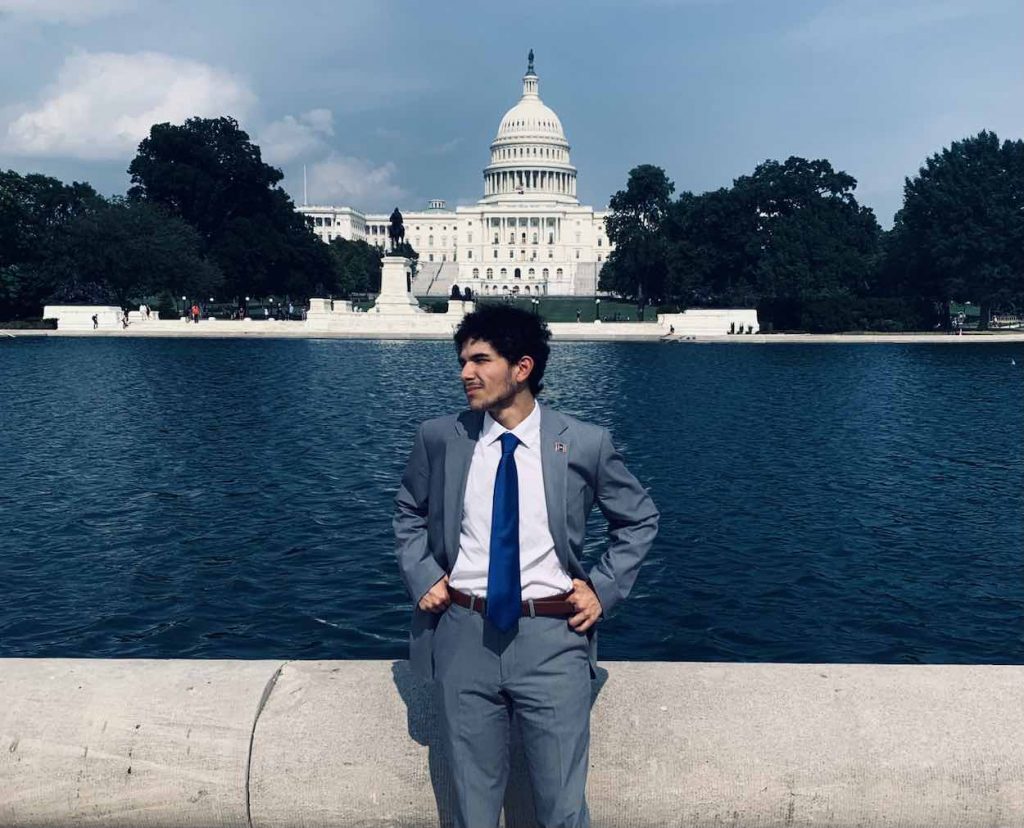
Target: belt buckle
x: 472, y: 603
x: 533, y: 609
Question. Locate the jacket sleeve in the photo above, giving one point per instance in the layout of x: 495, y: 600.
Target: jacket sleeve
x: 632, y: 526
x: 419, y: 569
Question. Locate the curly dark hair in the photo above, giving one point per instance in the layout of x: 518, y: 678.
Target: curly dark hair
x: 513, y: 333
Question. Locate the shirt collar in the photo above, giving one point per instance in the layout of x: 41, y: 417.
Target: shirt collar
x: 528, y: 431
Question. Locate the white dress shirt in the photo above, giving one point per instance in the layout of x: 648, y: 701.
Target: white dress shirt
x: 541, y: 573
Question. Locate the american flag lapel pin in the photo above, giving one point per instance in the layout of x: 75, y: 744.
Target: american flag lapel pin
x: 561, y: 448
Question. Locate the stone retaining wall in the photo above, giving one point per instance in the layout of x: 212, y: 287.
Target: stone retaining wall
x: 222, y: 743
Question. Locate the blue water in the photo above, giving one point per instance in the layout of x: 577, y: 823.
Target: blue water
x: 232, y: 499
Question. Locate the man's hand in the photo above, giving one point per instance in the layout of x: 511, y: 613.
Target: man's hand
x: 436, y: 598
x: 587, y: 605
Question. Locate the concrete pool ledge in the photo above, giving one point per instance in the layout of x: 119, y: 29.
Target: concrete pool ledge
x: 560, y: 332
x: 338, y: 743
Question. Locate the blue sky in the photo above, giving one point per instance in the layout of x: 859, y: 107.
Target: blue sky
x: 396, y: 103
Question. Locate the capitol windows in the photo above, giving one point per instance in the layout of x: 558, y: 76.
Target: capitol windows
x: 476, y: 272
x: 469, y: 254
x: 490, y: 273
x: 544, y: 273
x: 511, y: 238
x: 598, y: 241
x: 551, y: 254
x: 558, y: 273
x: 495, y: 238
x: 430, y: 241
x: 469, y: 238
x: 524, y: 238
x: 599, y: 257
x: 495, y: 254
x: 531, y: 273
x: 577, y: 254
x: 503, y: 273
x: 534, y: 238
x: 431, y: 257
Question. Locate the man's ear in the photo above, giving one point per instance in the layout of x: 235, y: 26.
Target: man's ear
x: 524, y: 368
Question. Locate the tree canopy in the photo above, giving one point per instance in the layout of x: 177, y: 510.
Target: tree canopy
x: 34, y: 211
x: 960, y: 234
x: 208, y: 172
x: 124, y: 251
x: 636, y: 269
x: 355, y: 267
x: 787, y: 233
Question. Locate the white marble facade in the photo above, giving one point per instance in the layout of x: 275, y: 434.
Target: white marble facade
x: 528, y: 235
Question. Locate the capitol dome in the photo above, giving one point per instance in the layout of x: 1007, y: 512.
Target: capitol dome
x: 530, y: 154
x: 531, y: 116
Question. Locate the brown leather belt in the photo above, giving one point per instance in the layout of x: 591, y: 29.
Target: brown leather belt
x: 556, y: 605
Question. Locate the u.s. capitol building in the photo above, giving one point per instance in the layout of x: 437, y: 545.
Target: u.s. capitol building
x: 527, y: 236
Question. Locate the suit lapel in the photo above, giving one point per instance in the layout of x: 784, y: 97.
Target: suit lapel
x: 554, y: 461
x: 457, y: 457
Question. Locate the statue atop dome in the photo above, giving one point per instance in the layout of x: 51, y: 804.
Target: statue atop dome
x: 529, y: 65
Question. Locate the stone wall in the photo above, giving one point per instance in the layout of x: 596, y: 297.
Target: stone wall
x: 221, y: 743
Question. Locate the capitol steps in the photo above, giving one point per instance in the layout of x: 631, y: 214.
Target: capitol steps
x: 435, y: 279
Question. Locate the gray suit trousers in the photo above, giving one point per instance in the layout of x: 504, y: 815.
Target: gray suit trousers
x: 537, y: 672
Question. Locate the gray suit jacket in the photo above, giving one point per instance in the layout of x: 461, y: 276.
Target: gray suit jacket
x: 580, y: 466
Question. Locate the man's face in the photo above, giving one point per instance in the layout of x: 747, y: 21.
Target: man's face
x: 487, y: 377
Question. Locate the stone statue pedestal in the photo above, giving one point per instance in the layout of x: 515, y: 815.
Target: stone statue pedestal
x: 394, y: 298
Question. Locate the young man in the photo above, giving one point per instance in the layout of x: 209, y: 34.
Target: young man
x: 489, y: 525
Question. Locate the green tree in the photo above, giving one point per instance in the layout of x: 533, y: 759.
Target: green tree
x: 209, y: 173
x: 355, y: 267
x: 34, y: 209
x: 122, y: 251
x: 637, y: 268
x: 960, y: 233
x: 712, y: 249
x: 814, y: 238
x: 787, y: 234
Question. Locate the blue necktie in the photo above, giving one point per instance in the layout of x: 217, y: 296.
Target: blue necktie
x: 504, y: 593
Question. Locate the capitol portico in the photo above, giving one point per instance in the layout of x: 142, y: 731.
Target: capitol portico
x: 527, y: 236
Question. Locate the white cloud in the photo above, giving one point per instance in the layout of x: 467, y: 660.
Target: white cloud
x: 103, y: 103
x: 290, y: 138
x: 63, y: 11
x: 355, y: 182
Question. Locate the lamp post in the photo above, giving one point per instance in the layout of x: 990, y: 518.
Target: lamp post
x: 184, y: 309
x: 597, y: 310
